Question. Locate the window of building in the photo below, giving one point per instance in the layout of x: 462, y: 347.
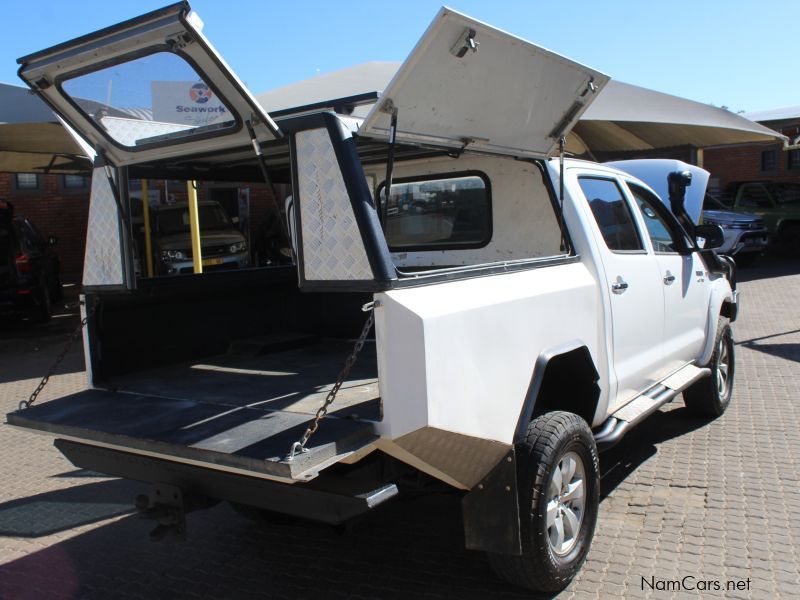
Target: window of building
x: 73, y: 182
x: 27, y: 181
x: 612, y: 213
x: 754, y: 196
x: 793, y: 159
x: 438, y: 212
x: 769, y: 160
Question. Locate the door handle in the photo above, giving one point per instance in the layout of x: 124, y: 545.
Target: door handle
x: 620, y: 286
x: 669, y: 279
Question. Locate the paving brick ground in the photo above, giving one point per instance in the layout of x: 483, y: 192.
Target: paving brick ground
x: 682, y: 497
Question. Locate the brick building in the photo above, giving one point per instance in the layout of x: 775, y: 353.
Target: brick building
x: 757, y: 162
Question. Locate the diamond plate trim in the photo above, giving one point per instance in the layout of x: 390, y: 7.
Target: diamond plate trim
x: 103, y: 258
x: 129, y: 131
x: 332, y: 246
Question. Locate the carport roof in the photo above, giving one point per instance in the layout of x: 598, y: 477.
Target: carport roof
x: 32, y: 140
x: 623, y: 117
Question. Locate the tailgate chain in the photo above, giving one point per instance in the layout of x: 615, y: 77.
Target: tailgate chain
x: 61, y: 355
x: 300, y: 446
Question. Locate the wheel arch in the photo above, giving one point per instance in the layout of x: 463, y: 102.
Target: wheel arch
x: 564, y: 378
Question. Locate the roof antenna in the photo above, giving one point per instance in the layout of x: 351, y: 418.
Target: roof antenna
x: 561, y: 143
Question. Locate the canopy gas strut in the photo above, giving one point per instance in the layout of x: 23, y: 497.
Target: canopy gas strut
x: 389, y: 107
x: 262, y: 164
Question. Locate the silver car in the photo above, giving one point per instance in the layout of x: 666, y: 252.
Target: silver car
x: 746, y: 237
x: 223, y: 246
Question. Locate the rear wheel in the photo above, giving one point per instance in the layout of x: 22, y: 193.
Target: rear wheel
x: 559, y: 487
x: 711, y: 396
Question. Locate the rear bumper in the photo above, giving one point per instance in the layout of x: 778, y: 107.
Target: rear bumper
x: 313, y: 502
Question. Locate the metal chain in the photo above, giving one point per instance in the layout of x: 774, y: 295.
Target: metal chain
x: 300, y: 445
x: 72, y: 338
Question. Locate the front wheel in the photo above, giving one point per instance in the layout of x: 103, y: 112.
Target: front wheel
x: 559, y: 490
x: 711, y: 396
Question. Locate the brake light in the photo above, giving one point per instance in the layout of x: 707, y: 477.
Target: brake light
x: 23, y: 263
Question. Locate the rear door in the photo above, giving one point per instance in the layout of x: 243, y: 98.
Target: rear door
x: 632, y: 282
x: 149, y: 88
x: 469, y: 84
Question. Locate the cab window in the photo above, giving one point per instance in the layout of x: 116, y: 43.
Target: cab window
x: 659, y: 229
x: 612, y: 214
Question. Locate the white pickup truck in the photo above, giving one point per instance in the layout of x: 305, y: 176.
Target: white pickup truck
x: 528, y: 309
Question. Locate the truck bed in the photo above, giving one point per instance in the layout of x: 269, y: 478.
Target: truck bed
x: 237, y: 412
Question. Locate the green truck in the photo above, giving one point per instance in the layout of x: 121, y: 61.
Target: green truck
x: 778, y: 203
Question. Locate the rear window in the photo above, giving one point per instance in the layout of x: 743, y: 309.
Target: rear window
x: 438, y: 212
x: 148, y: 100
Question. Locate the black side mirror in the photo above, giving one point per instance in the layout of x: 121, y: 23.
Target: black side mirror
x: 52, y: 240
x: 712, y: 234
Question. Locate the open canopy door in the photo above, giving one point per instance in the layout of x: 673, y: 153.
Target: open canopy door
x: 469, y: 84
x: 149, y: 88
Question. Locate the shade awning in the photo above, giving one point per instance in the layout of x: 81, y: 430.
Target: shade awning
x: 32, y: 140
x: 627, y: 117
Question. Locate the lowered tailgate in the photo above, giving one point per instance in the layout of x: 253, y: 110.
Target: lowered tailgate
x: 239, y: 439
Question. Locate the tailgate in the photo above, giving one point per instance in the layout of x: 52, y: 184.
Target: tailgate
x: 239, y: 439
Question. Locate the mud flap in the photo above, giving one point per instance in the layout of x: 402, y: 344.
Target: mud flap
x: 491, y: 511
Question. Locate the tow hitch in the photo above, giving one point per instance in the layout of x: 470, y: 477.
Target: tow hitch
x: 168, y: 506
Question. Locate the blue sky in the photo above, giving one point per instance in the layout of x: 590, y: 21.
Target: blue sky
x: 732, y: 53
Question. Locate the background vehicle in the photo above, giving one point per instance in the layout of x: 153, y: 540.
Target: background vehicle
x: 223, y: 246
x: 504, y: 333
x: 29, y: 269
x: 778, y: 204
x: 746, y: 236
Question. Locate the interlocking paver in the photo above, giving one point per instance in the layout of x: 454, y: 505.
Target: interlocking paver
x: 715, y: 500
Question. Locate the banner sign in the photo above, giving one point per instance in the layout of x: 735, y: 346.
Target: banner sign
x: 190, y: 103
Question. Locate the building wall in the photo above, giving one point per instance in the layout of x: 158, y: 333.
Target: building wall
x: 55, y: 211
x: 734, y: 164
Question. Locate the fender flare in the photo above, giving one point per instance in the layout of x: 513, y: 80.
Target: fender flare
x: 719, y: 295
x: 539, y: 369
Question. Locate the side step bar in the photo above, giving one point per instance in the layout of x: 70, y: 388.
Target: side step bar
x: 638, y: 409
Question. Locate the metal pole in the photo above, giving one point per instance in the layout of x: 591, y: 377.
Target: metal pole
x: 148, y: 246
x: 194, y: 226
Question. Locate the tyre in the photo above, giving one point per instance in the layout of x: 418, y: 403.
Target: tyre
x: 559, y: 489
x: 710, y: 396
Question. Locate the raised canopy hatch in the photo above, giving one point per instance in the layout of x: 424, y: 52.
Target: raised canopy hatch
x: 466, y: 83
x: 149, y: 88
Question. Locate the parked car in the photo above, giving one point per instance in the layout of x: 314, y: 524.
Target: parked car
x: 778, y: 204
x: 29, y: 269
x: 223, y: 246
x: 543, y: 310
x: 746, y: 236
